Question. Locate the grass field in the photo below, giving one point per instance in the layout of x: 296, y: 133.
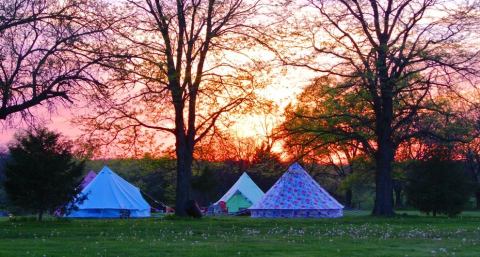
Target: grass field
x: 357, y: 234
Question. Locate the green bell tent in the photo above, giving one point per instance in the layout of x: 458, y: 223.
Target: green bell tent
x: 243, y: 194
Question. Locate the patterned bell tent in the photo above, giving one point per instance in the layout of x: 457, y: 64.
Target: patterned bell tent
x: 297, y: 195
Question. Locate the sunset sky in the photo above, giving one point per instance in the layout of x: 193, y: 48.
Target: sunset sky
x: 282, y: 90
x: 58, y: 120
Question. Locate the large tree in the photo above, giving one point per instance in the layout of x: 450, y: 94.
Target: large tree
x: 181, y: 65
x: 401, y: 56
x: 42, y: 174
x: 44, y: 52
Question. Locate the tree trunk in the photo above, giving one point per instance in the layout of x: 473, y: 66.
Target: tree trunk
x: 184, y: 153
x: 184, y: 173
x: 383, y: 181
x: 40, y: 215
x: 383, y: 191
x: 398, y: 197
x: 384, y: 155
x: 348, y: 198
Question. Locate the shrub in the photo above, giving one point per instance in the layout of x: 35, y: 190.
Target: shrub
x: 438, y: 186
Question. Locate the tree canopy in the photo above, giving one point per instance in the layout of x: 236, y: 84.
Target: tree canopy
x: 179, y: 66
x: 401, y: 58
x: 438, y: 185
x: 45, y: 52
x: 42, y: 175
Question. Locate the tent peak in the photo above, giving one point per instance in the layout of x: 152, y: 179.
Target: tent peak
x: 106, y: 169
x: 295, y: 167
x: 244, y: 174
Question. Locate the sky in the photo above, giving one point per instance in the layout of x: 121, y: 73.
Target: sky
x: 282, y: 90
x: 58, y: 120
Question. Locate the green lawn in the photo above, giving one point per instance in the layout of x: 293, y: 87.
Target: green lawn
x: 357, y: 234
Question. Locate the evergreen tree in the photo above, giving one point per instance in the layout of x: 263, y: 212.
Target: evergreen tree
x: 41, y: 173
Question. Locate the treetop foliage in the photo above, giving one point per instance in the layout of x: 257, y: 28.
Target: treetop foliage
x: 42, y: 175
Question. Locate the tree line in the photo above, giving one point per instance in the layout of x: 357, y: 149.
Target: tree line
x: 40, y: 175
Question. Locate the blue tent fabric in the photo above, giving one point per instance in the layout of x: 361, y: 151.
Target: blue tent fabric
x: 297, y: 195
x: 110, y: 196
